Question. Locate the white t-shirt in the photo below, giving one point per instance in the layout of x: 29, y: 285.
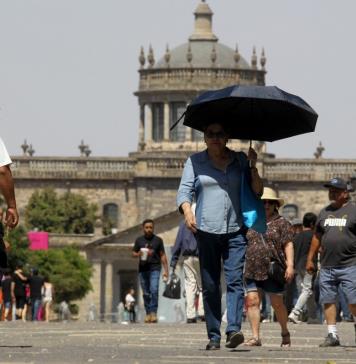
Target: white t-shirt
x: 129, y: 299
x: 4, y: 155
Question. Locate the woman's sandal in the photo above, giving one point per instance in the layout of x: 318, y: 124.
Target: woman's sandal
x: 253, y: 342
x: 285, y: 339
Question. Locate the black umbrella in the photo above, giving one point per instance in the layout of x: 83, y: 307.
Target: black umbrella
x: 264, y: 113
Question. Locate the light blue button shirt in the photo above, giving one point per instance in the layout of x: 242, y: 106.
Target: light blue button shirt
x: 217, y: 193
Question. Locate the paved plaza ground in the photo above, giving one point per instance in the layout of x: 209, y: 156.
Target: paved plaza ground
x: 103, y: 343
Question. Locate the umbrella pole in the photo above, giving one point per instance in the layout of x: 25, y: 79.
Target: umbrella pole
x: 249, y: 162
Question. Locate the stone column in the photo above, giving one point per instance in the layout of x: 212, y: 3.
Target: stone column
x: 166, y: 122
x: 141, y: 128
x: 108, y: 290
x: 148, y: 123
x: 96, y: 283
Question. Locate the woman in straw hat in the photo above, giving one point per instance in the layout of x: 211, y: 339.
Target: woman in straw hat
x: 276, y: 243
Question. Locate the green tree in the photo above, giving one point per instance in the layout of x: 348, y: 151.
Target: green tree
x: 69, y: 272
x: 70, y: 213
x: 78, y: 215
x: 43, y: 212
x: 19, y: 243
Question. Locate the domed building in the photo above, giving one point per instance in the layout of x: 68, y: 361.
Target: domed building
x: 167, y: 86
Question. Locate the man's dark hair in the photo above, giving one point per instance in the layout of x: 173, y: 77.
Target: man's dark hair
x: 147, y: 221
x: 35, y: 271
x: 309, y: 220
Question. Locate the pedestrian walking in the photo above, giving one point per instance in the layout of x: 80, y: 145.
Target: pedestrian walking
x: 130, y: 305
x: 36, y: 283
x: 8, y: 298
x: 304, y: 280
x: 47, y: 297
x: 149, y: 248
x: 214, y: 178
x: 275, y: 244
x: 186, y: 245
x: 335, y: 233
x: 19, y: 291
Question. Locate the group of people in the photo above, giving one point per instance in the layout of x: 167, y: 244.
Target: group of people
x: 24, y: 298
x: 255, y: 261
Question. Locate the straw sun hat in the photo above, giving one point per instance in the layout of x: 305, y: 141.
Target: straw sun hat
x: 271, y: 194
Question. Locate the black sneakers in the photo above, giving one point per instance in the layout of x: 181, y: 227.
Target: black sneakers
x: 213, y: 345
x: 234, y: 339
x: 191, y: 321
x: 330, y: 340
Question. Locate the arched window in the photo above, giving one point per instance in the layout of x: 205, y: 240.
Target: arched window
x: 176, y: 111
x: 290, y: 212
x: 110, y: 218
x: 157, y: 122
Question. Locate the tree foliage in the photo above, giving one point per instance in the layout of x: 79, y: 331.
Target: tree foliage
x: 69, y: 214
x: 68, y: 271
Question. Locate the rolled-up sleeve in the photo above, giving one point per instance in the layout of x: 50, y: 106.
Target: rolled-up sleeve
x: 186, y: 187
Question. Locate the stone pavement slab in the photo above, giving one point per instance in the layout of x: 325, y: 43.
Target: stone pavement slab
x: 76, y: 342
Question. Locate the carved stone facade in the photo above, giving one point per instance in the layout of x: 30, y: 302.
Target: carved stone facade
x: 144, y: 184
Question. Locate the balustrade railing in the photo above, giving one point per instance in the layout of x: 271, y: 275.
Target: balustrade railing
x: 38, y: 167
x: 155, y: 166
x: 307, y: 169
x: 159, y: 78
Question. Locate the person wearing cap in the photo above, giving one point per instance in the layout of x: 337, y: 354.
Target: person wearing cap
x: 335, y: 234
x: 186, y: 245
x: 214, y: 178
x: 276, y: 242
x: 8, y: 191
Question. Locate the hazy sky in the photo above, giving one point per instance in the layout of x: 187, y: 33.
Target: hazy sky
x: 68, y: 68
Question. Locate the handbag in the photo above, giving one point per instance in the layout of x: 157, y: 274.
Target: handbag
x: 253, y: 212
x: 173, y: 288
x: 276, y: 270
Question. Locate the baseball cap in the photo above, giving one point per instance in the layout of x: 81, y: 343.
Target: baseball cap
x: 339, y: 183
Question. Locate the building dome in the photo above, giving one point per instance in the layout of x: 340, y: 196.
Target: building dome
x: 201, y: 56
x: 168, y: 85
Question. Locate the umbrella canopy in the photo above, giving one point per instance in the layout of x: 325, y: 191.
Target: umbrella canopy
x: 264, y: 113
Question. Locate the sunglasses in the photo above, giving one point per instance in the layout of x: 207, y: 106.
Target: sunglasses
x: 269, y: 202
x: 217, y: 135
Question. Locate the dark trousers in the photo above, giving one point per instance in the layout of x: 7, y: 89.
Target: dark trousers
x: 231, y: 249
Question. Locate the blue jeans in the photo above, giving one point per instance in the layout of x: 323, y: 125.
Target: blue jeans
x: 149, y: 284
x: 231, y: 248
x: 36, y: 304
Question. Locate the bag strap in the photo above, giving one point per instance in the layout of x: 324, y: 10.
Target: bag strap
x: 271, y: 255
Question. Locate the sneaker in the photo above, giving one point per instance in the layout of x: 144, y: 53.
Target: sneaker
x: 330, y: 340
x: 201, y: 318
x: 294, y: 318
x: 213, y: 345
x: 234, y: 339
x: 147, y: 319
x: 191, y: 321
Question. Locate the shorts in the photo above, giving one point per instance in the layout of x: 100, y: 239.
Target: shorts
x: 20, y: 302
x: 46, y: 300
x: 331, y: 278
x: 268, y: 286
